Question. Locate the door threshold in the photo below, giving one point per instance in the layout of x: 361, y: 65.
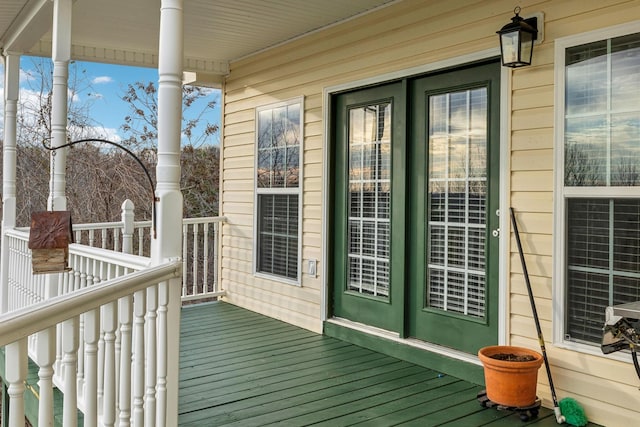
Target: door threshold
x: 444, y: 359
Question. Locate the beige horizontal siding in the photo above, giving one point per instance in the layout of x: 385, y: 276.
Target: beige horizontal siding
x: 541, y: 286
x: 604, y: 387
x: 533, y: 201
x: 408, y: 34
x: 531, y: 181
x: 533, y: 97
x: 535, y: 244
x: 532, y: 160
x: 531, y: 139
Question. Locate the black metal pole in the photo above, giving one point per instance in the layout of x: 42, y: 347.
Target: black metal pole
x: 533, y: 307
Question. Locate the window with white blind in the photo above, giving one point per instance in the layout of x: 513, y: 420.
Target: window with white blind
x: 369, y: 198
x: 598, y: 211
x: 278, y: 189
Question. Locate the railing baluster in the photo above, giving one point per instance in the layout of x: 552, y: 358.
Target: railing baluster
x: 125, y: 312
x: 80, y: 361
x: 151, y: 357
x: 104, y: 272
x: 184, y: 259
x: 140, y: 308
x: 194, y: 260
x: 109, y: 313
x: 116, y: 239
x: 70, y: 366
x: 16, y: 374
x: 163, y: 346
x: 140, y: 241
x: 91, y: 336
x: 205, y: 258
x: 45, y: 358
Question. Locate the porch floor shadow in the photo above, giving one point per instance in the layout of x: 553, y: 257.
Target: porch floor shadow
x: 239, y: 368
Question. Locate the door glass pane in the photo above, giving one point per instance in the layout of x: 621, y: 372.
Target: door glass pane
x: 369, y: 198
x: 457, y: 197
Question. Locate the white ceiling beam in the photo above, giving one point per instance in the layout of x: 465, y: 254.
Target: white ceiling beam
x: 202, y: 79
x: 208, y: 70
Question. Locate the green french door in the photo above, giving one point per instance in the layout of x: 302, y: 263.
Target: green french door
x: 415, y: 213
x: 369, y: 125
x: 453, y: 296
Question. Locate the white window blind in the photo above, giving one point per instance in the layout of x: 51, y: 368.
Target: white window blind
x: 457, y: 197
x: 603, y: 262
x: 369, y: 199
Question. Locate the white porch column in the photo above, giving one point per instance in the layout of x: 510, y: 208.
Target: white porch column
x: 11, y: 90
x: 169, y: 207
x: 61, y: 55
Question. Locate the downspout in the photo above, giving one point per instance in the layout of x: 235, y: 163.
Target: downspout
x: 168, y: 245
x: 11, y: 90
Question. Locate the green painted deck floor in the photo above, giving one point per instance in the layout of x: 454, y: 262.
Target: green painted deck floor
x: 243, y: 369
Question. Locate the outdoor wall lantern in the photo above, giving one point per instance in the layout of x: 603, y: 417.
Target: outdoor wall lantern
x: 516, y: 40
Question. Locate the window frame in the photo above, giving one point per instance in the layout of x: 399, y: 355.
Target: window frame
x: 562, y: 193
x: 257, y: 191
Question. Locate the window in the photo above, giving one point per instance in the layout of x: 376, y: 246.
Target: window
x: 598, y: 208
x: 369, y: 196
x: 278, y: 189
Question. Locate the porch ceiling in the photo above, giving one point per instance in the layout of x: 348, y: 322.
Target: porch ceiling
x: 216, y: 31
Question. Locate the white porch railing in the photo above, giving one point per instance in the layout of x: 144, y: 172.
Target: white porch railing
x: 200, y: 241
x: 102, y: 340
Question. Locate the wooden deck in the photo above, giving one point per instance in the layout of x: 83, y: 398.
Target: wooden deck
x: 238, y: 368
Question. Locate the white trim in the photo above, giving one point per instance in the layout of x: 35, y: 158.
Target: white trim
x: 411, y: 342
x: 560, y: 191
x: 505, y: 126
x: 406, y: 73
x: 324, y: 215
x: 221, y: 181
x: 298, y: 280
x: 599, y: 192
x: 504, y: 202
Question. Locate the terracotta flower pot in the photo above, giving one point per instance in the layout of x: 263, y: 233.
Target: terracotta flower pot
x: 510, y: 383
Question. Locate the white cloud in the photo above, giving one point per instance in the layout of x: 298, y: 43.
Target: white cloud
x: 101, y: 80
x: 109, y: 134
x: 26, y: 76
x: 209, y: 90
x: 73, y: 96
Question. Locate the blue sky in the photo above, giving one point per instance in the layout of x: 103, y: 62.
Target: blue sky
x: 107, y: 84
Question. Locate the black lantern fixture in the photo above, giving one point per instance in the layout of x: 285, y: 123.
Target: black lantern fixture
x: 516, y: 40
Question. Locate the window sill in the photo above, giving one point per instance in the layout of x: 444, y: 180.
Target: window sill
x: 594, y: 350
x: 279, y: 279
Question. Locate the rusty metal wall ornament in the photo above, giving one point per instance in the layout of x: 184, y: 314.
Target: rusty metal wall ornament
x: 49, y: 238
